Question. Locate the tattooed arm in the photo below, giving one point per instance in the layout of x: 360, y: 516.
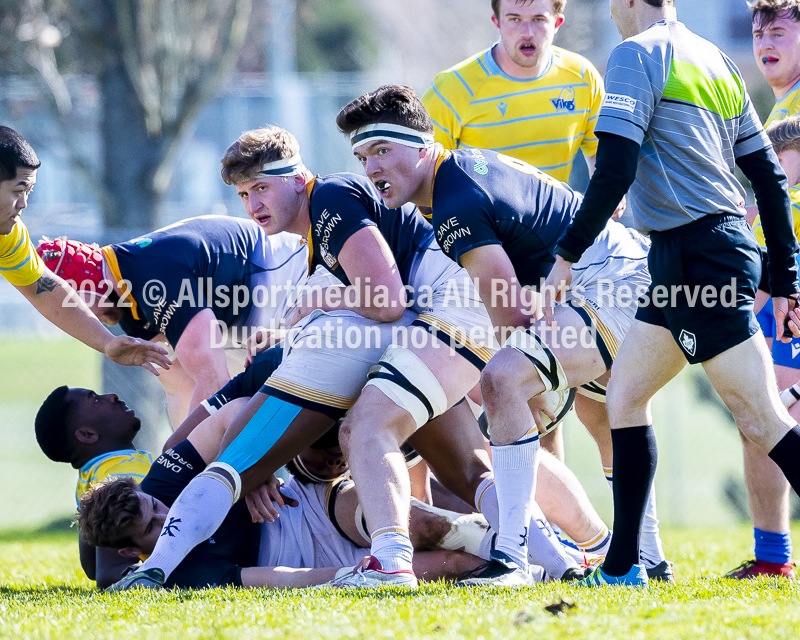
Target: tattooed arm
x: 57, y: 302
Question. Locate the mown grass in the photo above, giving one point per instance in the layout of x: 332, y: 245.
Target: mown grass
x: 44, y: 595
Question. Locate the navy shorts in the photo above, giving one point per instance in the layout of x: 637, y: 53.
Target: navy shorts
x: 705, y: 275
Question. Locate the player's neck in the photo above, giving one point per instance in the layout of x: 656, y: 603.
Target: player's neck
x: 648, y: 16
x: 108, y: 276
x: 511, y: 68
x: 423, y: 196
x: 82, y: 456
x: 785, y: 87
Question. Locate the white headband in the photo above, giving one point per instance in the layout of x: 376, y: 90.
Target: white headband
x: 287, y: 167
x: 391, y: 132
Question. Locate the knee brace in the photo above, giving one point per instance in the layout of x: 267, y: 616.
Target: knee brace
x: 593, y: 390
x: 547, y: 365
x: 409, y: 383
x: 212, y: 471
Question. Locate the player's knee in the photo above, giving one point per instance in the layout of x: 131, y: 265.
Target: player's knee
x: 411, y: 386
x: 499, y: 383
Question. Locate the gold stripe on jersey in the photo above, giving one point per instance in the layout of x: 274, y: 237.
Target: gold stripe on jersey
x: 456, y: 333
x: 309, y: 188
x: 19, y: 262
x: 113, y: 267
x: 612, y: 344
x: 314, y: 395
x: 543, y: 121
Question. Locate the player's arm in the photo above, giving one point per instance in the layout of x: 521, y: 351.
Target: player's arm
x: 371, y: 268
x: 205, y: 363
x: 493, y: 274
x: 56, y: 301
x: 286, y: 577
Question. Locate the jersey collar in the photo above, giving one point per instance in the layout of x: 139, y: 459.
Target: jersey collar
x: 789, y: 92
x: 309, y: 189
x: 113, y: 267
x: 495, y: 69
x: 444, y: 154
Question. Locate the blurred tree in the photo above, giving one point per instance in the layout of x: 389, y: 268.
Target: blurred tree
x: 335, y: 36
x: 157, y: 62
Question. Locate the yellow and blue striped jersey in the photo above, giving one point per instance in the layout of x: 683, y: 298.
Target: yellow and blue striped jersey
x: 542, y: 121
x: 19, y: 262
x: 787, y: 106
x: 114, y: 464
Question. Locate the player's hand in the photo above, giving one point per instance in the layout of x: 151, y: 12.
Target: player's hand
x: 262, y: 501
x: 555, y: 287
x: 134, y: 352
x: 260, y: 341
x: 538, y: 406
x: 620, y: 210
x: 787, y: 315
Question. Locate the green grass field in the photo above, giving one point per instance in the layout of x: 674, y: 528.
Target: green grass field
x: 44, y: 595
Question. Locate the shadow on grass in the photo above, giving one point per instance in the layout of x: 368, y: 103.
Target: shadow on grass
x: 61, y: 527
x: 34, y: 593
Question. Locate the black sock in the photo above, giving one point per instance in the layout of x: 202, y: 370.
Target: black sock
x: 786, y: 455
x: 635, y: 457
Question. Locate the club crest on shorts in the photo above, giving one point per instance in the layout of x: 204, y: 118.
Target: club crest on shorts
x: 688, y: 341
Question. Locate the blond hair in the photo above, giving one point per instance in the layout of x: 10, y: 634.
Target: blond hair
x: 244, y: 158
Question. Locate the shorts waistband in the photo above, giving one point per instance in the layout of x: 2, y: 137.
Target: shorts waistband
x: 704, y: 223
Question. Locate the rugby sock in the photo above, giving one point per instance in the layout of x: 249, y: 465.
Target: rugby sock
x: 392, y: 547
x: 635, y: 458
x: 786, y: 455
x: 194, y: 517
x: 651, y: 551
x: 597, y: 544
x: 773, y: 546
x: 544, y: 548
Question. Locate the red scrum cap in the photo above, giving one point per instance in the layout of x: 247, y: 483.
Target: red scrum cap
x: 74, y: 261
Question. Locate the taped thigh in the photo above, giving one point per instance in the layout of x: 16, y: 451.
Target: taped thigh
x: 260, y: 434
x: 593, y: 390
x: 547, y: 365
x: 409, y: 383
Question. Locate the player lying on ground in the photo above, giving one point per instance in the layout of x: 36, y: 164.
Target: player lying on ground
x: 672, y: 144
x: 315, y: 385
x: 177, y: 284
x: 47, y: 292
x: 316, y: 532
x: 500, y: 218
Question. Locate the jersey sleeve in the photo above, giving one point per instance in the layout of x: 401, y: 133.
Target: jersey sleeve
x: 19, y: 262
x: 589, y: 144
x: 338, y: 212
x: 440, y: 101
x: 172, y: 471
x: 752, y: 136
x: 634, y: 83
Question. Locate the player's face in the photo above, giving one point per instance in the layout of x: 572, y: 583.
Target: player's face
x: 147, y: 529
x: 324, y: 463
x: 776, y: 47
x: 106, y: 414
x: 103, y: 308
x: 273, y: 202
x: 14, y: 197
x: 396, y: 170
x: 790, y: 161
x: 624, y: 17
x: 527, y: 31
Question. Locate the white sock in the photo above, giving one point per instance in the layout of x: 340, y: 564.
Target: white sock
x: 467, y: 530
x: 651, y: 550
x: 392, y: 547
x: 597, y: 544
x: 194, y: 517
x: 544, y: 549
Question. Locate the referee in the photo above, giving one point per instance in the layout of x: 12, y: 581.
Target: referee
x: 675, y: 120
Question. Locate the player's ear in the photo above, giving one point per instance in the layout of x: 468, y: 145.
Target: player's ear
x: 559, y: 21
x: 130, y: 552
x: 86, y: 435
x: 300, y: 182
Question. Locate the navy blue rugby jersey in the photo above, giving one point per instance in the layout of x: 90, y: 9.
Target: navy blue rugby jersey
x: 482, y: 197
x: 343, y: 203
x: 190, y: 260
x: 219, y: 560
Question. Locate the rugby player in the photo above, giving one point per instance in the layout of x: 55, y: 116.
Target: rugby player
x: 500, y: 218
x: 365, y: 244
x: 525, y: 98
x: 671, y: 139
x: 776, y: 47
x: 522, y: 96
x: 177, y: 284
x: 48, y: 293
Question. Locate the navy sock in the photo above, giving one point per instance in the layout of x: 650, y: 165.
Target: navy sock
x: 635, y: 458
x: 786, y: 455
x: 772, y: 546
